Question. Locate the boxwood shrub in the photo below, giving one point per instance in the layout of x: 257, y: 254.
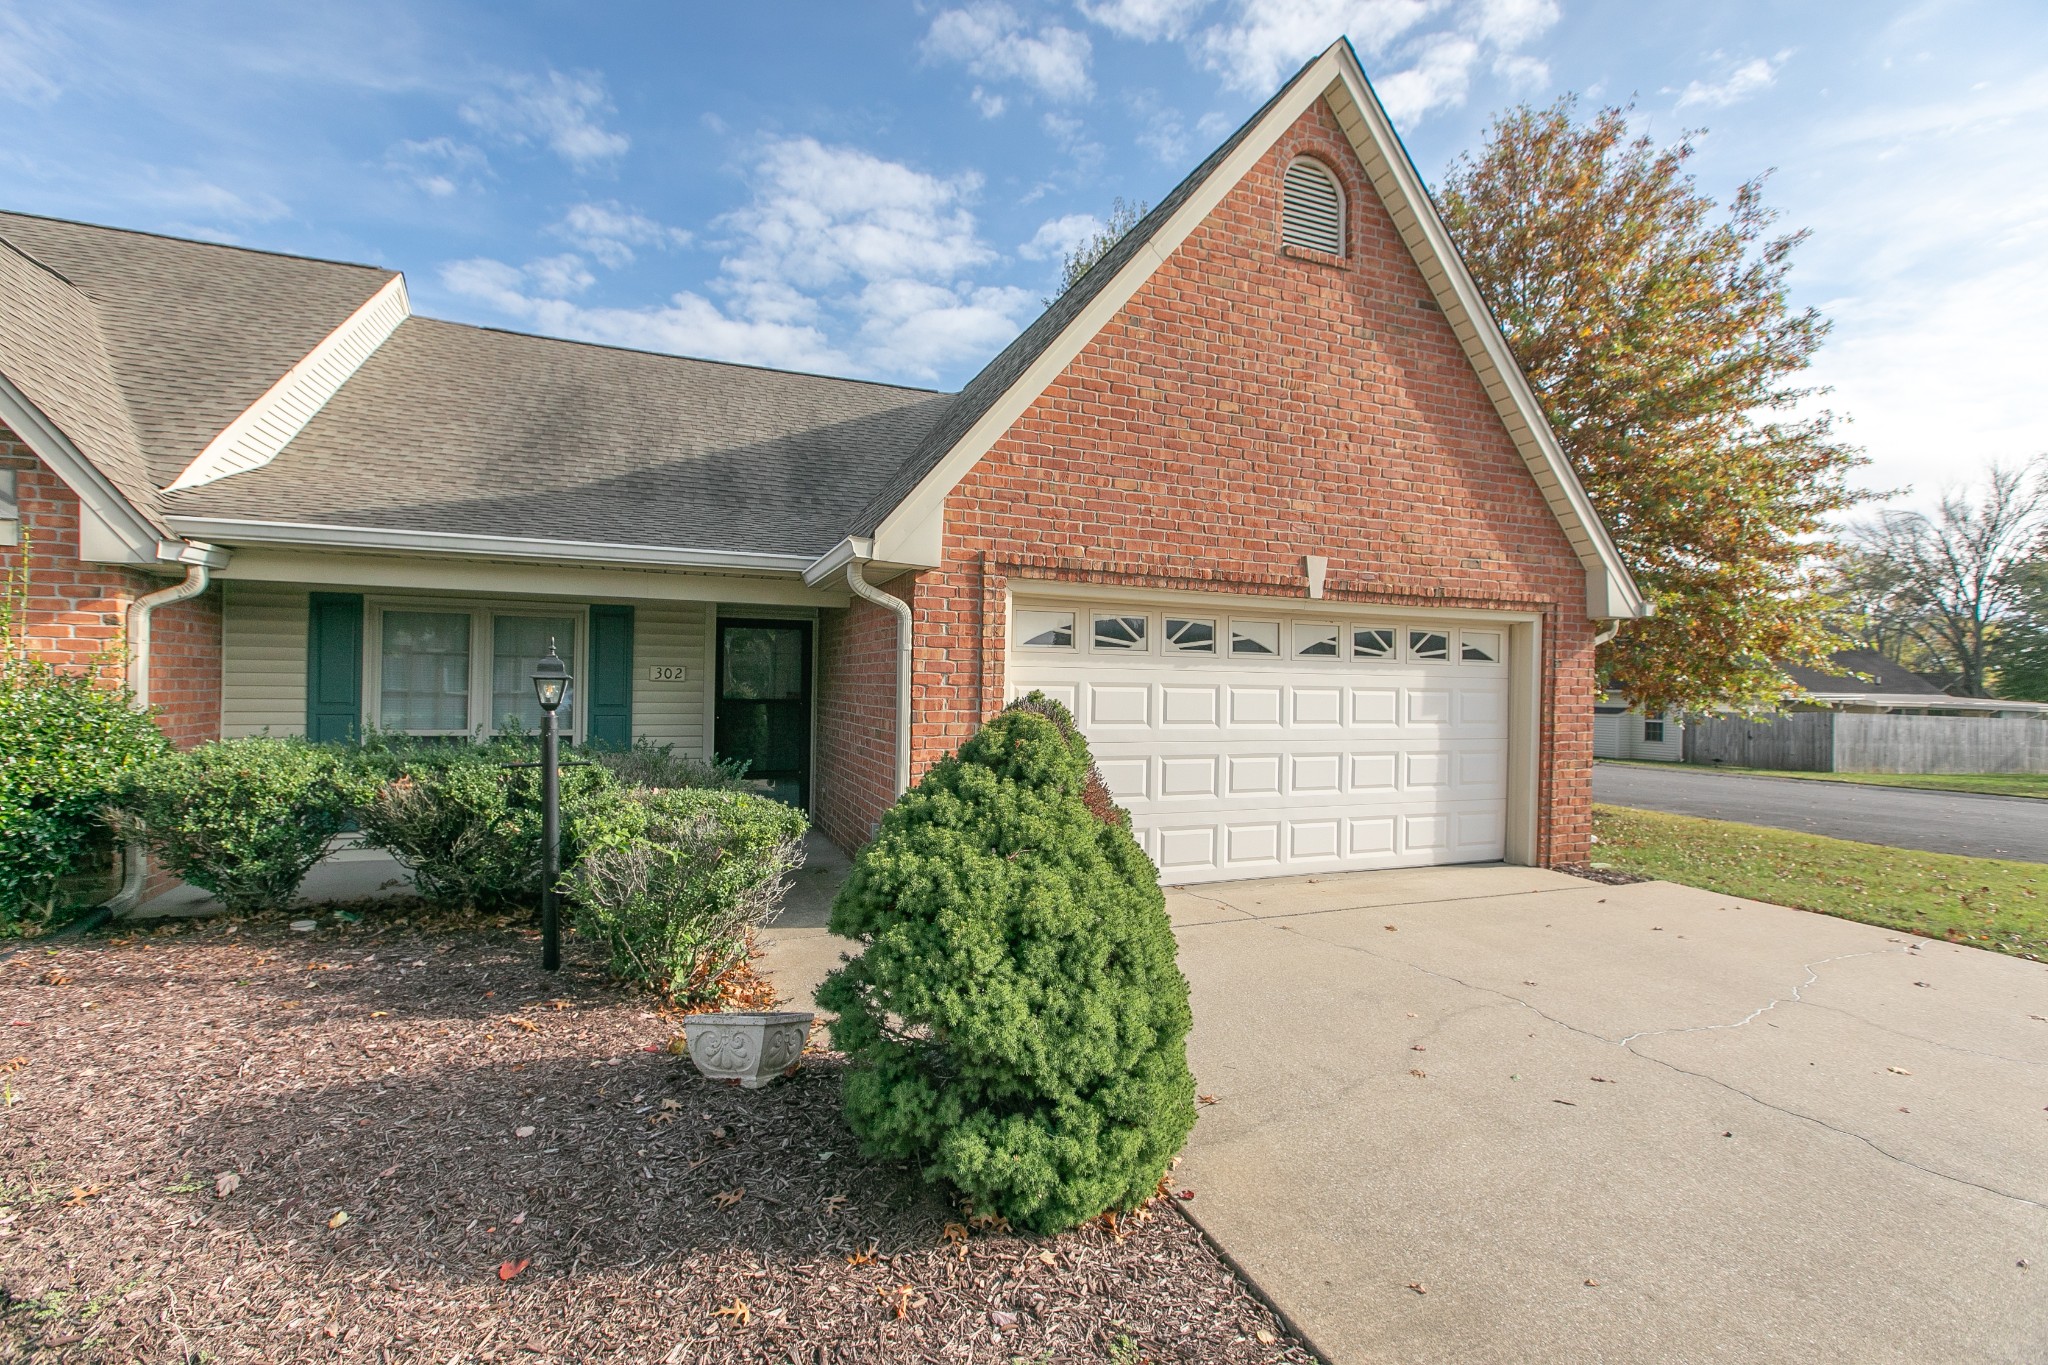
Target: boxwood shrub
x: 67, y: 744
x: 245, y: 819
x: 672, y: 881
x: 1016, y: 1022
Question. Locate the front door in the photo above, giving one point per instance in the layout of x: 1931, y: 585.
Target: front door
x: 764, y: 705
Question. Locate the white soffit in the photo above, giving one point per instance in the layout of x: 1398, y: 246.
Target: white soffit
x: 254, y: 439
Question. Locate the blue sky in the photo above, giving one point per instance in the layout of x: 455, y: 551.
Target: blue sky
x: 886, y: 190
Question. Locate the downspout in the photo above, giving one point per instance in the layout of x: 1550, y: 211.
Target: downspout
x: 900, y: 609
x: 1613, y: 628
x: 197, y: 576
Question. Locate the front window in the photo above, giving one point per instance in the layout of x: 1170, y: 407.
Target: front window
x: 517, y: 644
x: 425, y: 674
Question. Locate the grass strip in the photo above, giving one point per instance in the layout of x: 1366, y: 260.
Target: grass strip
x: 1987, y: 902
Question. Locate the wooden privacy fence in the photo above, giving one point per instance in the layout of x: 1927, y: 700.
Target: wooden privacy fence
x: 1854, y: 742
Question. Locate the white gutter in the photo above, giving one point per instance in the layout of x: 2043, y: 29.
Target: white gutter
x: 136, y: 861
x: 235, y: 531
x: 900, y: 609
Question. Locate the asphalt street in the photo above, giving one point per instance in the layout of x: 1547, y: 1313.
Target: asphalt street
x: 1938, y: 822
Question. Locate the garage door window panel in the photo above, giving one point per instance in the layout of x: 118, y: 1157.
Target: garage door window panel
x: 1123, y: 634
x: 1045, y: 629
x: 1315, y: 640
x: 1429, y: 646
x: 1254, y: 639
x: 1372, y: 642
x: 1190, y: 635
x: 1480, y: 647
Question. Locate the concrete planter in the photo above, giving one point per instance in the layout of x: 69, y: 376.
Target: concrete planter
x: 752, y: 1049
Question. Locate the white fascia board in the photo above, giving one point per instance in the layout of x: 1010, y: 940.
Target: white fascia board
x: 268, y: 425
x: 461, y: 543
x: 912, y: 527
x: 1611, y: 591
x: 134, y: 537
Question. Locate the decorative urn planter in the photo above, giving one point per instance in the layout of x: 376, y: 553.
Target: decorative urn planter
x: 750, y: 1048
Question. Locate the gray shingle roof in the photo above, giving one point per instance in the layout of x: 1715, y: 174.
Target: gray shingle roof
x: 51, y: 349
x: 452, y: 428
x: 1879, y: 675
x: 194, y: 332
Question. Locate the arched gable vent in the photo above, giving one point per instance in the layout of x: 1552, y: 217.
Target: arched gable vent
x: 1312, y: 211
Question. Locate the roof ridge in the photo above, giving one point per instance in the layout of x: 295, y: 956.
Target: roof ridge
x: 39, y: 263
x: 677, y: 355
x: 195, y: 241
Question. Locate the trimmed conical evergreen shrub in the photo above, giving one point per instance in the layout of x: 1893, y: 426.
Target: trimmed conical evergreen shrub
x: 1016, y: 1023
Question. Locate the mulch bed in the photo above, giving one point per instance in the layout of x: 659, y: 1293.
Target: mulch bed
x: 399, y: 1140
x: 1606, y: 876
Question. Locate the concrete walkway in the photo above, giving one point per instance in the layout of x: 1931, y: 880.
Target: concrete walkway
x: 1939, y: 822
x: 1497, y: 1114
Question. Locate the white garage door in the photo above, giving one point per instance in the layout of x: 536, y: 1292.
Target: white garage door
x: 1274, y: 744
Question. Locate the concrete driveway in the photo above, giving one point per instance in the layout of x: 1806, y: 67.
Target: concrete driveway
x: 1495, y: 1114
x: 1939, y: 822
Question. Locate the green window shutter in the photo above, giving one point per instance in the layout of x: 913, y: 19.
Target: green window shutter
x: 334, y: 666
x: 611, y: 677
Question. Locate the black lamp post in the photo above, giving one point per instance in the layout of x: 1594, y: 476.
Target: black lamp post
x: 551, y: 685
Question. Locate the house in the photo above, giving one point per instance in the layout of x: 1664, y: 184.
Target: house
x: 1262, y: 497
x: 1622, y: 731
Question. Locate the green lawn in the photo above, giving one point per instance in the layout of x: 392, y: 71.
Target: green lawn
x: 1988, y: 902
x: 1991, y: 784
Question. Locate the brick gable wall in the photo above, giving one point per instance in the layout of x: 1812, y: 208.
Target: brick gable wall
x: 1250, y: 405
x: 77, y: 612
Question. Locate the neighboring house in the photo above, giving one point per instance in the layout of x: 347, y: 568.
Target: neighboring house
x: 1621, y: 731
x: 1263, y: 498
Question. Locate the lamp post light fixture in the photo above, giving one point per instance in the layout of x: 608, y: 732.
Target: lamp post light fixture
x: 551, y: 686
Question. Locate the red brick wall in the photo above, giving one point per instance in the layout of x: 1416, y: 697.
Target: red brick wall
x: 1251, y: 405
x: 77, y: 612
x: 855, y: 764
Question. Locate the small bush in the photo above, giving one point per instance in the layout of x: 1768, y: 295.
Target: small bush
x: 465, y: 821
x: 1016, y: 1021
x: 673, y: 880
x: 648, y: 764
x: 245, y: 819
x: 67, y: 744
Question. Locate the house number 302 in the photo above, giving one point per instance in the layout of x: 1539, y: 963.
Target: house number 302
x: 665, y: 673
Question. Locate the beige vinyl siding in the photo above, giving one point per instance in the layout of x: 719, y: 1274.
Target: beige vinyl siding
x: 670, y: 712
x: 263, y: 660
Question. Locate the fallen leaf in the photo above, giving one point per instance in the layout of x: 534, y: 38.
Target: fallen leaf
x: 866, y: 1257
x: 1898, y: 1071
x: 81, y: 1193
x: 1417, y: 1047
x: 738, y: 1311
x: 904, y: 1302
x: 1528, y: 983
x: 507, y: 1269
x: 340, y: 1217
x: 558, y: 1004
x: 55, y: 978
x: 671, y: 1104
x: 225, y: 1184
x: 1417, y: 1071
x: 1187, y: 1196
x: 1417, y: 1286
x: 380, y: 1014
x: 523, y: 1025
x: 725, y: 1199
x: 1048, y: 1258
x: 387, y: 1173
x: 999, y: 1318
x: 1604, y: 1081
x: 1390, y: 929
x: 1205, y: 1099
x: 524, y: 1130
x: 1592, y: 1284
x: 1565, y: 1102
x: 1266, y: 1338
x: 835, y: 1202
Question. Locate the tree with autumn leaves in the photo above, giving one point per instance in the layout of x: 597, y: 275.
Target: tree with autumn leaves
x: 1655, y: 330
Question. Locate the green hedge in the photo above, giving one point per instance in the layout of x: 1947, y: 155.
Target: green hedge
x: 465, y: 819
x: 245, y: 819
x: 67, y: 746
x: 1016, y: 1022
x: 673, y: 880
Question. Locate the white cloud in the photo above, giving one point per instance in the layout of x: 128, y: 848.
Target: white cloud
x: 438, y: 165
x: 991, y: 105
x: 187, y: 193
x: 1146, y: 20
x: 563, y: 112
x: 995, y: 43
x: 1431, y: 47
x: 1743, y: 80
x: 1057, y: 238
x: 1941, y: 315
x: 833, y: 243
x: 610, y: 231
